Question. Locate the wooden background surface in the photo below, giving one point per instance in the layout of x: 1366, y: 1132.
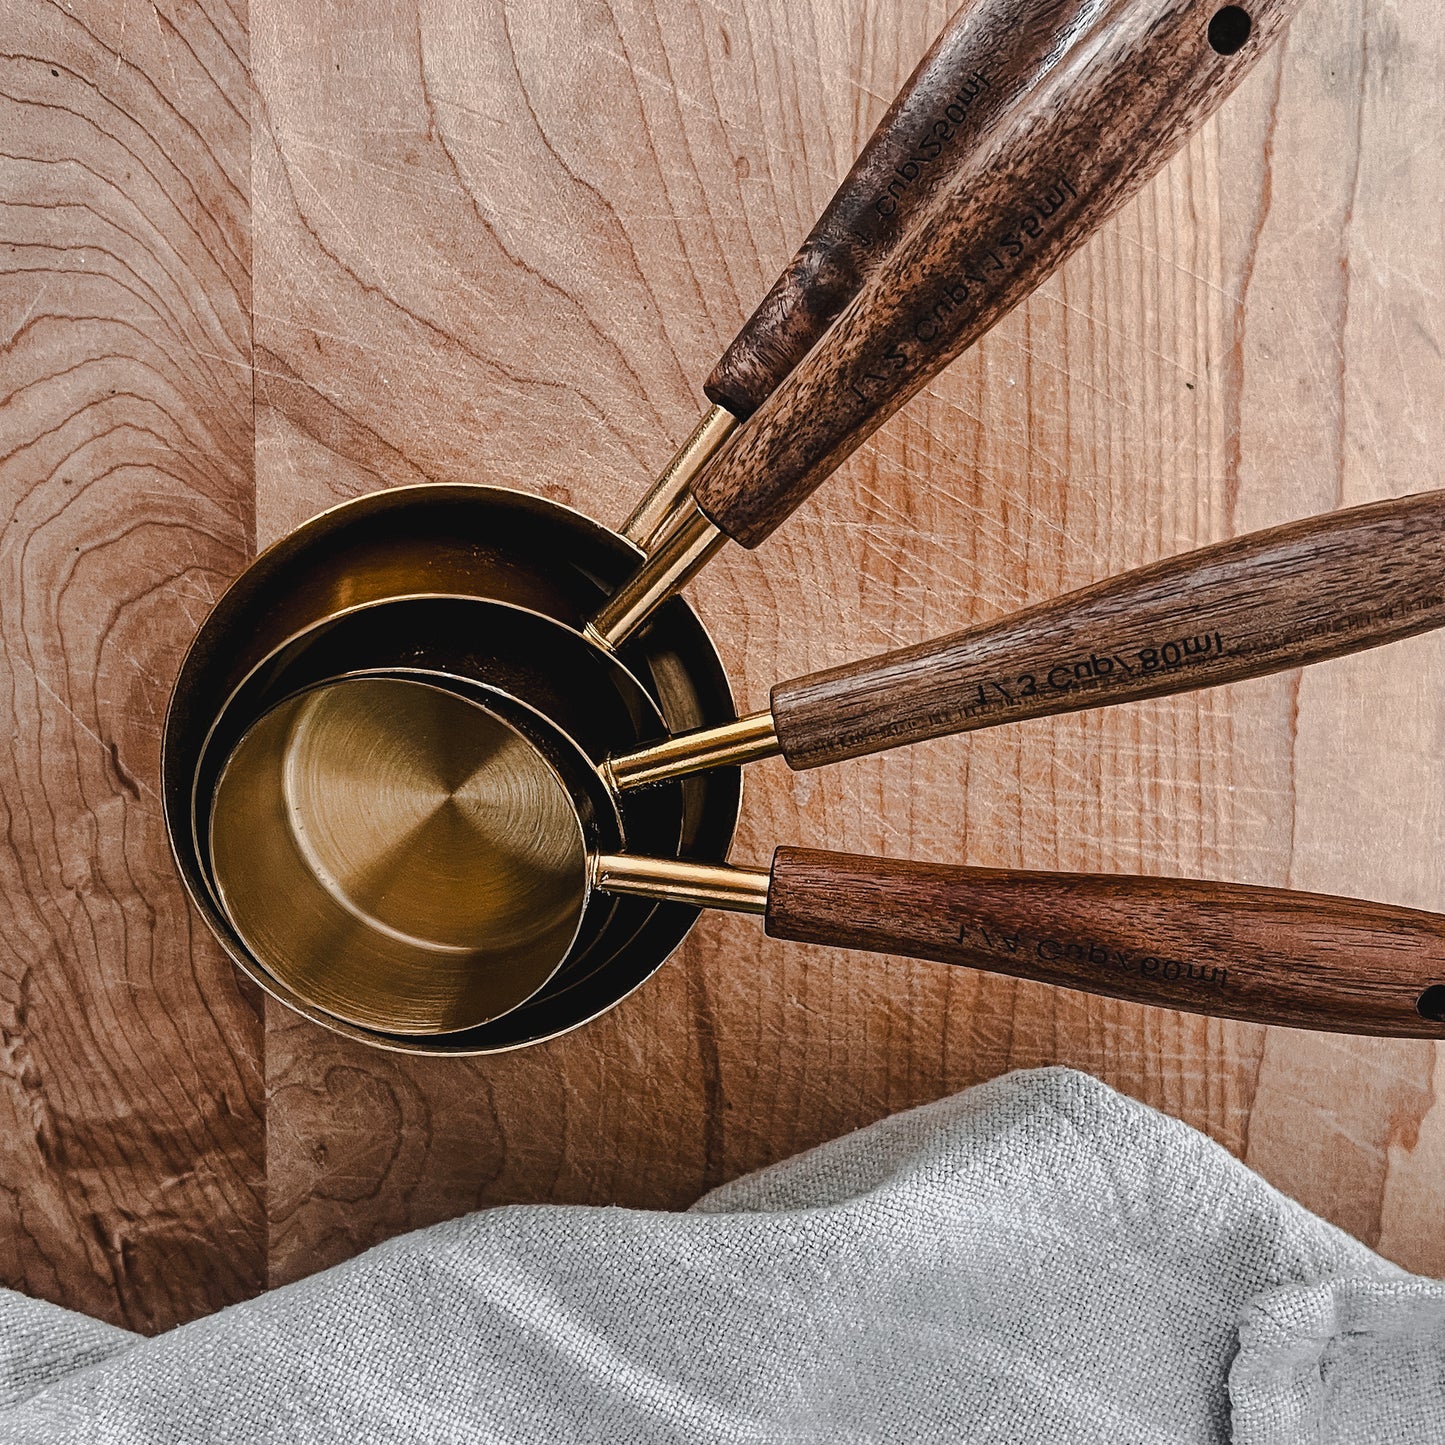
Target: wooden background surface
x: 251, y: 263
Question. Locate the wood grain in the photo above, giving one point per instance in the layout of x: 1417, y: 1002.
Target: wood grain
x: 1288, y: 596
x: 1137, y: 407
x: 1237, y: 951
x: 1118, y: 102
x: 462, y: 270
x: 130, y: 1054
x: 988, y: 57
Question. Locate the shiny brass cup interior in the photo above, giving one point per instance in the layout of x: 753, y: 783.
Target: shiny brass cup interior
x: 399, y: 855
x: 491, y: 544
x: 574, y: 701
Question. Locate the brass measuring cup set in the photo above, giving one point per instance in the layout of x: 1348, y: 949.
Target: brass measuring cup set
x: 452, y: 768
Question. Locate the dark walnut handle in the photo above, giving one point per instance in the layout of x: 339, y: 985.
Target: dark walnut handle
x: 990, y: 53
x: 1270, y: 600
x: 1265, y: 955
x: 1128, y: 92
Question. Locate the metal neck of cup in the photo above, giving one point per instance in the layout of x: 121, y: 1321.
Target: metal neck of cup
x: 653, y: 517
x: 678, y: 558
x: 667, y: 880
x: 728, y: 745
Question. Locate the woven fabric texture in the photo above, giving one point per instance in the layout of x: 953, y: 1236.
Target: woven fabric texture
x: 1037, y: 1259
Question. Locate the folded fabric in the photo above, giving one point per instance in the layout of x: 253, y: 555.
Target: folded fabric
x: 1035, y: 1260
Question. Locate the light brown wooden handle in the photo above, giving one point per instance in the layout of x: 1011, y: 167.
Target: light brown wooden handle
x: 1130, y: 89
x: 1281, y: 598
x: 990, y: 53
x: 1266, y: 955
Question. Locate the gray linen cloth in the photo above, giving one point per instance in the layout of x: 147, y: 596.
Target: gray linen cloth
x: 1035, y: 1260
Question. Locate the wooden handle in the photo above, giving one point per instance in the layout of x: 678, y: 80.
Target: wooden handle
x: 990, y: 53
x: 1281, y: 598
x: 1266, y: 955
x: 1115, y: 107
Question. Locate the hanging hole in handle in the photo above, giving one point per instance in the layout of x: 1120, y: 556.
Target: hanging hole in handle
x: 1229, y: 29
x: 1431, y: 1004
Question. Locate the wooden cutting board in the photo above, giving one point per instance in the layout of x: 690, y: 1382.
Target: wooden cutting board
x: 254, y: 264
